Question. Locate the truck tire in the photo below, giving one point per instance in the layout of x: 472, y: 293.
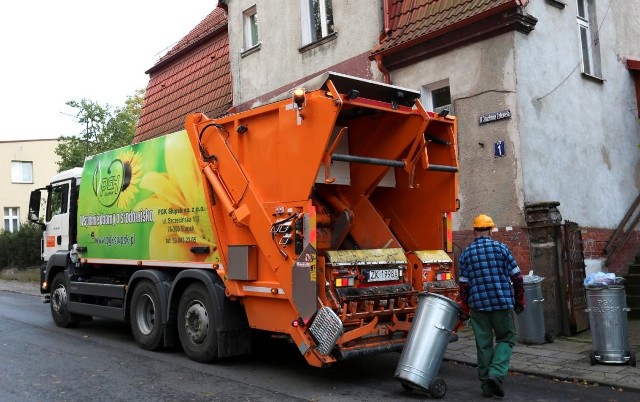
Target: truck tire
x: 197, y: 324
x: 60, y: 303
x: 145, y: 316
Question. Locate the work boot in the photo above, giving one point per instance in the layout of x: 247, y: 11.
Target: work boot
x: 495, y: 384
x: 487, y: 392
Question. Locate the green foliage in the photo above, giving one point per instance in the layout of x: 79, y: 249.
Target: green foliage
x: 21, y: 249
x: 104, y: 129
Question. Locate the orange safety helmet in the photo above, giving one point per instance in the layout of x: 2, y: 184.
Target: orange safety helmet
x: 483, y: 222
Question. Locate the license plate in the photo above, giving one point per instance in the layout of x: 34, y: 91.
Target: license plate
x: 381, y: 275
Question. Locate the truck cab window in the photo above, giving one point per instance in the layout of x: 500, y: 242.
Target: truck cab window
x: 58, y: 201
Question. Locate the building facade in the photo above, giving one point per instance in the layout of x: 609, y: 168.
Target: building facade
x: 24, y: 166
x: 544, y: 96
x: 570, y: 129
x: 274, y: 48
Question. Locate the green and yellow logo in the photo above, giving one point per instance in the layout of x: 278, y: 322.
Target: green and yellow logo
x: 110, y: 181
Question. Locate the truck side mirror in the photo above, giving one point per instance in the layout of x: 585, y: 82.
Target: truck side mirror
x: 34, y: 207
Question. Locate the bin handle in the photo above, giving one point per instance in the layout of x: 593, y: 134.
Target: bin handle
x: 538, y: 301
x: 442, y: 327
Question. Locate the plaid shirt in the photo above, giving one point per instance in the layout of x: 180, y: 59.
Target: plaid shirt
x: 487, y: 265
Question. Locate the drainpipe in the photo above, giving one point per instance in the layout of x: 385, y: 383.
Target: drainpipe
x: 383, y: 69
x: 383, y: 34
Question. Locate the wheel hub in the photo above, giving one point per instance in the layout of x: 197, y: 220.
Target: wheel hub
x: 59, y: 299
x: 197, y: 321
x: 145, y: 314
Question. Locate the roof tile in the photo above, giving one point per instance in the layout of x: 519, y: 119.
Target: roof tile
x: 198, y: 80
x: 413, y: 19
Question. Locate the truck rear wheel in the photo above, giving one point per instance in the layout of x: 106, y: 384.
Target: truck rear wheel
x: 197, y: 324
x: 60, y: 303
x: 146, y: 316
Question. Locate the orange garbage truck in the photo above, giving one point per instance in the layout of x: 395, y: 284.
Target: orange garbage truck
x: 318, y: 217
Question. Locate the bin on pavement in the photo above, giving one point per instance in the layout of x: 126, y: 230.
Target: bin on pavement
x: 530, y: 323
x: 607, y: 308
x: 435, y: 319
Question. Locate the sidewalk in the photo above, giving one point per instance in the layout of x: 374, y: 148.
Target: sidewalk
x: 567, y: 358
x: 29, y: 288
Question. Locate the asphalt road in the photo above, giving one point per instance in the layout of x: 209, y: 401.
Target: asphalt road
x: 99, y: 361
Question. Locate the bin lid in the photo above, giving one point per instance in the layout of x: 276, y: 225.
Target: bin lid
x: 532, y: 278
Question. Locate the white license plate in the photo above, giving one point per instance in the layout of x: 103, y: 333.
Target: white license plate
x: 380, y: 275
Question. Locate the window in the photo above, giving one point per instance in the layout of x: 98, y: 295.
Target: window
x: 21, y: 172
x: 11, y: 219
x: 317, y: 20
x: 250, y: 28
x: 589, y: 44
x: 58, y: 201
x: 437, y: 97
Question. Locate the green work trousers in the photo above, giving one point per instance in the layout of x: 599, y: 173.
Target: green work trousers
x: 493, y: 360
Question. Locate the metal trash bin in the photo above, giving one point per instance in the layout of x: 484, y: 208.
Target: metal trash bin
x: 435, y: 319
x: 607, y: 308
x: 530, y: 323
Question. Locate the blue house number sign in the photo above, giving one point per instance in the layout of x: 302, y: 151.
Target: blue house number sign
x: 498, y: 149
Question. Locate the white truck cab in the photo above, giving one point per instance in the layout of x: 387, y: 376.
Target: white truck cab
x: 60, y: 218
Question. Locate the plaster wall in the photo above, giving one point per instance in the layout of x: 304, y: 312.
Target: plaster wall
x: 482, y: 81
x: 42, y: 154
x: 280, y: 60
x: 579, y: 135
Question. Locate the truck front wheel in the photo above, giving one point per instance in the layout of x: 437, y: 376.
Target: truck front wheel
x: 146, y: 317
x: 60, y: 303
x: 197, y: 324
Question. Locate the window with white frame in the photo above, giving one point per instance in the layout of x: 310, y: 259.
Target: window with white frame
x: 437, y: 97
x: 11, y: 219
x: 251, y: 38
x: 589, y: 44
x: 21, y: 172
x: 317, y: 20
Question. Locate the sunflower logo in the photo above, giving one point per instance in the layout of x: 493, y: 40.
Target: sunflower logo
x: 130, y: 177
x: 178, y: 188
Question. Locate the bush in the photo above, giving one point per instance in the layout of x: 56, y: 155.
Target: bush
x: 21, y: 249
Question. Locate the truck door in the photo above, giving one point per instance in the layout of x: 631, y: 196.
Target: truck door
x: 56, y: 235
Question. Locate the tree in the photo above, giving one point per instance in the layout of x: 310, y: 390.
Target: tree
x: 104, y: 129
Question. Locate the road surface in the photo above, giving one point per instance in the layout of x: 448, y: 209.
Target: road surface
x: 99, y: 361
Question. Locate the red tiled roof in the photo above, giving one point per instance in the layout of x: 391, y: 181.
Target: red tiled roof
x: 413, y: 21
x: 194, y: 76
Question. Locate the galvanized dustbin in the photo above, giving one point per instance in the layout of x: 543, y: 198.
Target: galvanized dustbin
x: 607, y: 308
x: 530, y: 323
x: 435, y: 319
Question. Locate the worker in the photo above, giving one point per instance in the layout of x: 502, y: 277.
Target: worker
x: 491, y: 287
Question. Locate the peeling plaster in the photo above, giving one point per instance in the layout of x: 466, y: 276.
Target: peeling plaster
x: 605, y: 156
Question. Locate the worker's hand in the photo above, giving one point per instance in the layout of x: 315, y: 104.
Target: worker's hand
x: 519, y: 302
x: 464, y: 314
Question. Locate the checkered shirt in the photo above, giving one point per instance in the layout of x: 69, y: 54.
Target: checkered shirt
x: 487, y: 266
